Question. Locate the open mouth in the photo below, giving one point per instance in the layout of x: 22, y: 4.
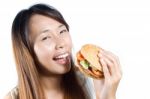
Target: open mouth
x: 62, y: 58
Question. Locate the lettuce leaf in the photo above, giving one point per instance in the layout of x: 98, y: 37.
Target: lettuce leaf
x: 84, y: 64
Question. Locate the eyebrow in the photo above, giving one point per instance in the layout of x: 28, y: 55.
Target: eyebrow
x: 61, y: 25
x: 44, y: 31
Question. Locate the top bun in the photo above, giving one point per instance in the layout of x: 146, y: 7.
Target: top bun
x: 90, y: 53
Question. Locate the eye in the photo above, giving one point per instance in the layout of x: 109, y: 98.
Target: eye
x: 45, y: 38
x: 63, y: 31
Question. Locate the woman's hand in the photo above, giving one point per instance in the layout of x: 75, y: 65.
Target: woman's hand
x: 106, y: 88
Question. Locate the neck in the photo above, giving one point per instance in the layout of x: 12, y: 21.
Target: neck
x: 51, y: 85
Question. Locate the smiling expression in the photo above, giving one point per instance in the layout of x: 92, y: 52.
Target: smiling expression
x: 51, y: 43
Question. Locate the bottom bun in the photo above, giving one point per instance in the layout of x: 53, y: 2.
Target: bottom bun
x: 89, y: 73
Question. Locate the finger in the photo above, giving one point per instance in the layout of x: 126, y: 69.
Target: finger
x: 116, y: 62
x: 105, y: 69
x: 110, y: 65
x: 108, y: 55
x: 117, y: 66
x: 109, y: 60
x: 113, y: 58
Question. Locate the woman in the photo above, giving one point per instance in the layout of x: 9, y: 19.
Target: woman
x: 42, y: 48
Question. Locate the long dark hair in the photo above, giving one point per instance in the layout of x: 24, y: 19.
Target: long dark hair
x: 28, y: 76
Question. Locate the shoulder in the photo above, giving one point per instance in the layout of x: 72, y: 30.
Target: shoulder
x: 8, y: 96
x: 13, y: 94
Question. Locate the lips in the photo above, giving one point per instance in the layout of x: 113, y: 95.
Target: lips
x: 62, y: 58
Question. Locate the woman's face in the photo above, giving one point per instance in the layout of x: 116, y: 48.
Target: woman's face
x: 52, y: 44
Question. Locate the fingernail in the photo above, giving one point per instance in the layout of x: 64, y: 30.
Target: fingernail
x: 100, y: 55
x: 102, y: 50
x: 102, y: 60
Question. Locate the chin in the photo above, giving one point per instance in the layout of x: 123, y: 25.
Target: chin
x: 65, y: 70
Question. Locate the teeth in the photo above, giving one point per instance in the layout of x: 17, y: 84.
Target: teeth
x: 62, y: 56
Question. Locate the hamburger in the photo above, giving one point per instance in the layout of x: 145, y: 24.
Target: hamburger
x: 88, y: 61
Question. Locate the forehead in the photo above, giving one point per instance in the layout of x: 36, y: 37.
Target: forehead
x: 38, y: 22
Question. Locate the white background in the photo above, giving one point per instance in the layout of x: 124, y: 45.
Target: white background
x: 120, y: 26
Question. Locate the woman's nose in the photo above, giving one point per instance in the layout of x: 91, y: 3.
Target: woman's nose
x: 60, y: 44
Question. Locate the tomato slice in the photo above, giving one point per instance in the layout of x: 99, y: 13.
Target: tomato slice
x: 80, y: 57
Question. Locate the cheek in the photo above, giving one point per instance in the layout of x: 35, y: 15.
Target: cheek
x: 69, y: 41
x: 43, y: 51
